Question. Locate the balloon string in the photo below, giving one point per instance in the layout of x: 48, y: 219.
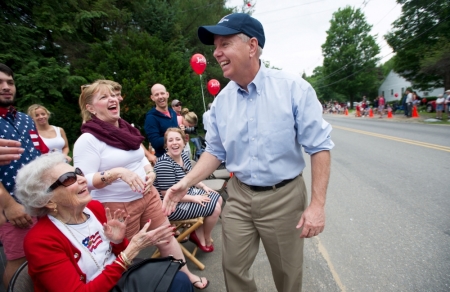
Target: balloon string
x: 201, y: 85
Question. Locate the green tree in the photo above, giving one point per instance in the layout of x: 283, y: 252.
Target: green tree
x: 349, y: 65
x: 387, y: 67
x: 55, y: 46
x: 420, y: 39
x: 324, y: 93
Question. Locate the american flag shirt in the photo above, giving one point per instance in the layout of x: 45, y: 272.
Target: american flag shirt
x: 19, y: 127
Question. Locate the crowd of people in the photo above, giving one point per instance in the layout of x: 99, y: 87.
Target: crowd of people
x: 111, y: 172
x: 80, y: 222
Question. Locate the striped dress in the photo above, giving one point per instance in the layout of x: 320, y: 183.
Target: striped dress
x: 168, y: 173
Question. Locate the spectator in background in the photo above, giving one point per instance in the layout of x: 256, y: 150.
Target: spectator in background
x: 447, y: 103
x: 206, y: 118
x: 54, y: 137
x: 416, y: 99
x: 187, y: 120
x: 176, y: 106
x: 375, y: 103
x: 439, y: 106
x: 159, y: 118
x: 381, y: 102
x: 408, y: 102
x: 15, y: 126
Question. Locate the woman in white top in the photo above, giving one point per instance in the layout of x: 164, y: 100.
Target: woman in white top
x: 117, y: 172
x: 54, y: 137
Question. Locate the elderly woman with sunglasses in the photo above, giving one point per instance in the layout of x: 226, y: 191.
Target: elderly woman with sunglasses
x: 76, y: 245
x: 201, y: 201
x: 117, y: 172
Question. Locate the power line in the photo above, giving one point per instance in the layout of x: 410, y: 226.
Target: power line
x: 287, y: 7
x: 389, y: 53
x: 346, y: 65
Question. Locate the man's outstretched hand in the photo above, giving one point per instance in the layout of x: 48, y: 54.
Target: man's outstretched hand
x: 173, y: 196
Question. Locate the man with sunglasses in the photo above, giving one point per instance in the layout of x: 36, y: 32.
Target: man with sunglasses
x: 19, y: 127
x: 176, y: 106
x: 159, y: 118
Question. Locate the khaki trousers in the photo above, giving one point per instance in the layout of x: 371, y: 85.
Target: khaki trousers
x: 270, y: 216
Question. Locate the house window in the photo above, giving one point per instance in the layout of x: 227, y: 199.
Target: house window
x: 425, y: 93
x: 392, y: 91
x: 403, y: 90
x: 382, y: 93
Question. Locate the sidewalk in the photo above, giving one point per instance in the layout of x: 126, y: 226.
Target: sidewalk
x: 316, y: 275
x: 427, y: 118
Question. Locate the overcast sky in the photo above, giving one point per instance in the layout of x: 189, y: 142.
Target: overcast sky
x: 296, y: 29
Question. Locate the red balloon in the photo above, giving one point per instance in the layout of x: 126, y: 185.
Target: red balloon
x: 248, y: 4
x: 396, y: 95
x: 198, y: 63
x: 213, y: 86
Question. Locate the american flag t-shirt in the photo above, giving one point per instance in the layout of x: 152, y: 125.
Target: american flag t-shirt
x: 19, y: 128
x: 88, y: 237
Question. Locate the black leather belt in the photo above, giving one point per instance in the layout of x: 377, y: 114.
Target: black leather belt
x: 269, y: 188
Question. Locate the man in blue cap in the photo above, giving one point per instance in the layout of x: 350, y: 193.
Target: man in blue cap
x: 259, y: 124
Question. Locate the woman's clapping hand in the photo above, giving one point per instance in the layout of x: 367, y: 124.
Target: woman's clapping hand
x: 115, y: 226
x: 132, y: 179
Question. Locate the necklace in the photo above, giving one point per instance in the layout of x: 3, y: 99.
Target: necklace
x: 89, y: 237
x: 84, y: 247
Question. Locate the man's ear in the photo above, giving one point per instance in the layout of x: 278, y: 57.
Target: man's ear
x: 168, y: 95
x: 253, y: 43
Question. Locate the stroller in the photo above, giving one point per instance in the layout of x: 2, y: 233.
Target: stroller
x: 199, y: 146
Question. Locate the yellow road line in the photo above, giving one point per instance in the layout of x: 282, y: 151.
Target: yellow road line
x: 413, y: 142
x: 327, y: 258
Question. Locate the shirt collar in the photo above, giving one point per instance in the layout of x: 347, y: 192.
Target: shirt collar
x: 4, y: 111
x: 258, y: 81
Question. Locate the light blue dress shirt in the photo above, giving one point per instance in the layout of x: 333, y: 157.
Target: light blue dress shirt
x: 260, y: 133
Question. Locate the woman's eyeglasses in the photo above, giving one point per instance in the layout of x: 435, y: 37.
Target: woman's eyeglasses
x: 178, y: 104
x: 67, y: 179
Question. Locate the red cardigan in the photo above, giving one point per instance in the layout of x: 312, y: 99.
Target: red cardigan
x: 52, y: 259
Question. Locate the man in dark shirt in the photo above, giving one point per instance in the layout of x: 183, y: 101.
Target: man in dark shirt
x: 159, y: 118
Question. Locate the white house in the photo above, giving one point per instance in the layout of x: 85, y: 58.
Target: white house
x: 395, y: 85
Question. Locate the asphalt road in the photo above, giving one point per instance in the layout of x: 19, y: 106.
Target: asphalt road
x: 388, y: 206
x: 388, y: 213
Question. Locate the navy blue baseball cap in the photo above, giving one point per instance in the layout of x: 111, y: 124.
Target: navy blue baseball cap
x: 233, y: 24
